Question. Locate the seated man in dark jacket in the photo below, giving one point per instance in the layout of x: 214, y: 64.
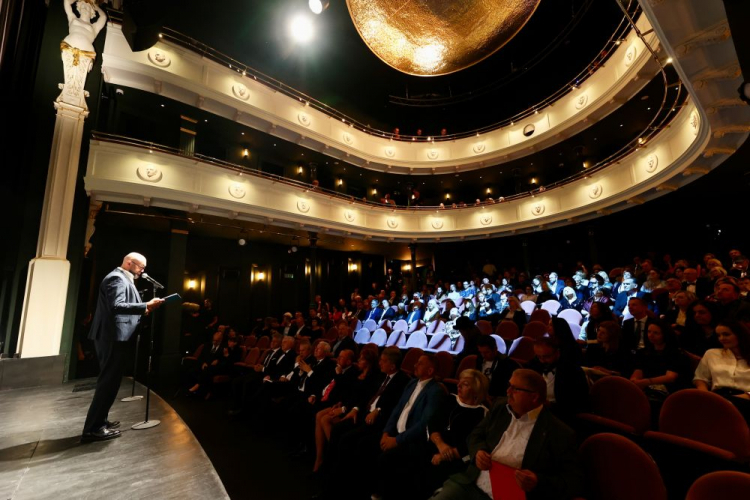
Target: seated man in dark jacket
x: 497, y: 367
x: 537, y: 444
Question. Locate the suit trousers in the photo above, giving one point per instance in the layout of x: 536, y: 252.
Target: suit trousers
x: 111, y: 354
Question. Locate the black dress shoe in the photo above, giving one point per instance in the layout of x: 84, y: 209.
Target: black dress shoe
x: 112, y: 425
x: 102, y: 434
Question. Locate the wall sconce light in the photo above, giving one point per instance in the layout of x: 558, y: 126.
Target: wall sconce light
x: 407, y: 267
x: 374, y: 191
x: 533, y: 180
x: 299, y: 170
x: 260, y: 276
x: 447, y: 196
x: 192, y: 284
x: 586, y: 164
x: 340, y: 182
x: 489, y: 191
x: 354, y: 267
x: 245, y: 153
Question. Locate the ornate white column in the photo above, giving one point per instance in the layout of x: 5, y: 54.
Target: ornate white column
x: 47, y: 281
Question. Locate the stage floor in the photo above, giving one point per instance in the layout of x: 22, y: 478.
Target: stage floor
x: 41, y: 456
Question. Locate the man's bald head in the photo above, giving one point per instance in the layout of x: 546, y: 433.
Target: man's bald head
x: 134, y: 262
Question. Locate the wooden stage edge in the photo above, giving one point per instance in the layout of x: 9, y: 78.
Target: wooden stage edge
x: 41, y: 456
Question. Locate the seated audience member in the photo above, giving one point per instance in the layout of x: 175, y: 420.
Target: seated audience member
x: 607, y: 356
x: 660, y: 368
x: 567, y: 387
x: 545, y: 294
x: 522, y: 434
x: 471, y: 334
x: 627, y: 290
x: 299, y: 328
x: 365, y: 386
x: 699, y: 334
x: 559, y: 329
x: 244, y: 387
x: 598, y: 296
x: 343, y: 341
x: 221, y: 365
x: 416, y: 471
x: 570, y: 300
x: 555, y: 285
x: 497, y: 367
x: 389, y: 313
x: 701, y: 287
x: 634, y: 330
x: 726, y: 370
x: 400, y: 312
x: 470, y: 310
x: 375, y: 311
x: 432, y: 312
x: 677, y: 313
x: 209, y: 357
x: 407, y: 425
x: 316, y: 329
x: 727, y: 293
x: 514, y: 313
x: 415, y: 315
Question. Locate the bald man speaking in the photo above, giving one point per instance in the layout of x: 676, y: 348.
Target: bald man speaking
x: 118, y: 311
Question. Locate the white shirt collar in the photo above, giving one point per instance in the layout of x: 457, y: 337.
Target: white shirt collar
x: 129, y: 275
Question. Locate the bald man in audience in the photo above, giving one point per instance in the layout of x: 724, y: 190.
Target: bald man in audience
x: 522, y: 434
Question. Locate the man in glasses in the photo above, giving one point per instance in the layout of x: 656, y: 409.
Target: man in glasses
x: 118, y: 311
x: 522, y: 434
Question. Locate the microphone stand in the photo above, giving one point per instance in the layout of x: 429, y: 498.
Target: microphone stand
x: 147, y: 424
x: 132, y: 396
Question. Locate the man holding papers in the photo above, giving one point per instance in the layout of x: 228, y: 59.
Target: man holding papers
x: 520, y: 448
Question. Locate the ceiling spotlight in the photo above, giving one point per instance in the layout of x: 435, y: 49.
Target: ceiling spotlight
x: 242, y: 242
x: 301, y: 29
x: 318, y: 6
x: 294, y: 249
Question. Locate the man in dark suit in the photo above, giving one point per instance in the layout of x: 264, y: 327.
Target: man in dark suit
x: 567, y: 387
x: 375, y: 312
x: 634, y: 330
x: 701, y: 287
x: 555, y: 285
x: 415, y: 314
x: 497, y: 367
x: 118, y: 311
x: 344, y: 341
x: 299, y: 328
x: 627, y: 289
x: 548, y: 467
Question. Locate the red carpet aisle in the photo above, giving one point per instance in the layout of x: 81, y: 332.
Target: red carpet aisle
x: 41, y: 458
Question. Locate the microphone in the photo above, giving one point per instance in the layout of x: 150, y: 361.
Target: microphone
x: 151, y: 280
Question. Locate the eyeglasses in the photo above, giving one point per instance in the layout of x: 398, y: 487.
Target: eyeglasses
x: 141, y: 266
x: 513, y: 388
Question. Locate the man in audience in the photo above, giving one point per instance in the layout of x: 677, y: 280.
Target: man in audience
x: 343, y: 341
x: 415, y: 315
x: 407, y: 425
x: 701, y: 287
x: 497, y: 367
x: 375, y: 312
x: 727, y: 293
x: 299, y: 328
x: 634, y: 330
x: 522, y: 434
x: 555, y: 285
x: 627, y: 289
x: 567, y: 388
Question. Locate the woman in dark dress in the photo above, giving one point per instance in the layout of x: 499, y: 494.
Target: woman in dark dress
x: 606, y: 356
x: 699, y: 333
x: 660, y: 368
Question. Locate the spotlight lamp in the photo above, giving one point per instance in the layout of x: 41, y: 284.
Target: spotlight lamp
x: 242, y: 242
x: 245, y: 153
x: 318, y: 6
x: 192, y: 284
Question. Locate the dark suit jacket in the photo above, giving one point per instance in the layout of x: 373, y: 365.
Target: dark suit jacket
x: 374, y: 314
x: 321, y: 376
x: 306, y: 331
x: 282, y: 365
x: 629, y: 340
x: 621, y: 302
x: 346, y: 384
x: 424, y: 408
x: 389, y: 314
x: 703, y: 287
x: 502, y: 369
x: 413, y: 316
x: 207, y: 356
x: 390, y: 397
x: 550, y: 453
x: 571, y: 389
x: 347, y: 343
x: 118, y: 309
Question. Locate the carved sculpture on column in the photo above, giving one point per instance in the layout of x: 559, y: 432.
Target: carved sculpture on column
x: 77, y: 49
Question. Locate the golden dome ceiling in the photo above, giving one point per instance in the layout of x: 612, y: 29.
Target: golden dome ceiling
x: 438, y: 37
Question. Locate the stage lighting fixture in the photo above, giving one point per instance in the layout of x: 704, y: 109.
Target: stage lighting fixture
x: 318, y: 6
x: 241, y: 242
x: 301, y: 29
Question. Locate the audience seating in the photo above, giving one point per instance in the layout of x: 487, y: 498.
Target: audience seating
x: 484, y: 326
x: 396, y: 338
x: 417, y: 326
x: 438, y: 342
x: 618, y: 405
x: 332, y: 334
x: 540, y: 315
x: 444, y: 365
x: 618, y: 469
x: 535, y: 329
x: 551, y: 306
x: 705, y: 422
x: 522, y: 350
x: 250, y: 341
x: 263, y: 342
x: 379, y: 337
x: 363, y: 336
x: 501, y: 346
x: 575, y: 329
x: 460, y: 342
x: 371, y: 325
x: 720, y: 485
x: 528, y: 307
x: 572, y: 316
x: 508, y: 330
x: 417, y: 339
x: 467, y: 363
x: 252, y: 356
x: 410, y: 359
x: 434, y: 327
x: 401, y: 325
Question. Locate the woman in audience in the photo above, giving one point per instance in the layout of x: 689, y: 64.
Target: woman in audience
x: 659, y: 365
x: 598, y: 314
x: 607, y: 356
x: 316, y: 329
x: 446, y: 449
x: 545, y: 294
x: 368, y: 382
x: 514, y: 313
x: 677, y: 316
x: 725, y: 370
x: 653, y: 281
x: 699, y: 334
x: 570, y: 300
x: 570, y: 351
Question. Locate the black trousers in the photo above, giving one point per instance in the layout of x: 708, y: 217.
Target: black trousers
x: 111, y: 354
